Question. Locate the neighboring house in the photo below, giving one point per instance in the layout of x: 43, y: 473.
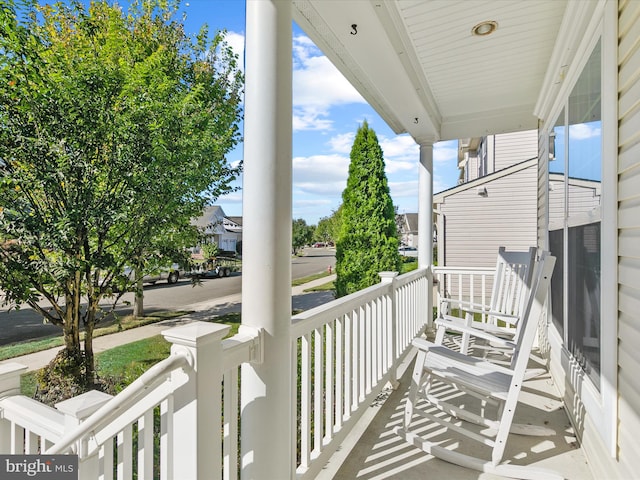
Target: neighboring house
x: 408, y: 228
x: 219, y: 229
x: 496, y: 203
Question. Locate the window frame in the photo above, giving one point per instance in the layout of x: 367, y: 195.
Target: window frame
x: 599, y: 403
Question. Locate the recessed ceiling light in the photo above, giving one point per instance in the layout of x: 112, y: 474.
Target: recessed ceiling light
x: 484, y: 28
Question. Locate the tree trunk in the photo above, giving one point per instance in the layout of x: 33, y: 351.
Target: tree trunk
x: 71, y: 327
x: 88, y: 348
x: 138, y: 304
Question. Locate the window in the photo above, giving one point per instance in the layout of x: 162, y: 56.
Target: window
x: 575, y: 177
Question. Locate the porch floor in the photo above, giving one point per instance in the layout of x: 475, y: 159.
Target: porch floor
x: 373, y: 451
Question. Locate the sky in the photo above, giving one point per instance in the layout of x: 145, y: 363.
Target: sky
x: 327, y: 111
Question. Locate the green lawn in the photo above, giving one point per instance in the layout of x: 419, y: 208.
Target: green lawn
x: 23, y: 348
x: 127, y: 362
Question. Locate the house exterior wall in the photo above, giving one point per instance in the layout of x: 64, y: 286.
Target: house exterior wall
x: 510, y: 148
x: 629, y: 238
x: 621, y: 459
x: 475, y: 226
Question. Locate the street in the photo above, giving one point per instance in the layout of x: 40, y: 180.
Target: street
x: 25, y: 324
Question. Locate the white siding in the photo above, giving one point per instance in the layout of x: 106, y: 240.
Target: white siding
x: 629, y: 237
x: 516, y: 147
x: 476, y: 226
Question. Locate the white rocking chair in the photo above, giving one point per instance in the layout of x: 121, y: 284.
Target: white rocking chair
x: 511, y: 287
x: 489, y: 382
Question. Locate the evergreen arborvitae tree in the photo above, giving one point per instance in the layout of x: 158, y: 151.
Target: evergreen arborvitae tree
x: 368, y: 241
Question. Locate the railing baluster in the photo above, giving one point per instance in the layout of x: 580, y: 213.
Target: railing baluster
x: 339, y: 382
x: 145, y: 446
x: 328, y: 382
x: 348, y: 364
x: 166, y: 440
x: 317, y: 389
x: 105, y: 461
x: 230, y: 428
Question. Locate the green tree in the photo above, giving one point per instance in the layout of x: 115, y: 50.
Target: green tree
x: 328, y: 229
x: 210, y: 250
x: 301, y: 234
x: 368, y: 241
x: 114, y: 128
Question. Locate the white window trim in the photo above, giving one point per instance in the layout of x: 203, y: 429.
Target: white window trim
x: 600, y: 405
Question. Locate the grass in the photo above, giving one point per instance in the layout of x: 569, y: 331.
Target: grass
x: 310, y: 278
x: 127, y: 362
x: 24, y: 348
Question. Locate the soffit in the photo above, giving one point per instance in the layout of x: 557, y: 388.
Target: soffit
x: 417, y: 59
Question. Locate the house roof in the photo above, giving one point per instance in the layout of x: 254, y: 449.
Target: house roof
x: 410, y: 222
x: 418, y: 64
x: 236, y: 220
x: 212, y: 219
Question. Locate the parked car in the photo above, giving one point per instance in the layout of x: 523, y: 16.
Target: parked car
x: 170, y: 274
x: 407, y: 251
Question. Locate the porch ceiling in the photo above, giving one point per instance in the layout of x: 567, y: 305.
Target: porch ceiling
x: 418, y: 64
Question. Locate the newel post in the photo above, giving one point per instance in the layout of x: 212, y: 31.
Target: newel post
x: 9, y: 385
x: 196, y: 423
x: 76, y: 410
x: 390, y: 278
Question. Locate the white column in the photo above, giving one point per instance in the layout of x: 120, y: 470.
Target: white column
x: 425, y: 206
x: 267, y: 403
x: 425, y: 220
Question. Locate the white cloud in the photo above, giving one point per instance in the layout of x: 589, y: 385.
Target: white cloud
x: 234, y: 197
x: 446, y: 152
x: 317, y: 86
x: 583, y: 131
x: 236, y: 42
x: 342, y: 143
x: 320, y: 169
x: 401, y: 154
x: 403, y: 189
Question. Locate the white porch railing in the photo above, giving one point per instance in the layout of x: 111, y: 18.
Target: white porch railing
x: 462, y: 286
x: 164, y: 424
x: 346, y: 351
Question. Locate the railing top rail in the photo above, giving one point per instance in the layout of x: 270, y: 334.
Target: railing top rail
x: 306, y: 321
x: 241, y: 348
x: 411, y: 276
x: 154, y: 376
x: 33, y: 416
x: 465, y: 270
x: 318, y: 316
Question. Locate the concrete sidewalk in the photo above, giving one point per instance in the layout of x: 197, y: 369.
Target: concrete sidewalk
x: 201, y: 311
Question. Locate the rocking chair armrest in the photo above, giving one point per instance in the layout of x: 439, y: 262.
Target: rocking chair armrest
x: 464, y: 304
x: 507, y: 317
x: 453, y: 323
